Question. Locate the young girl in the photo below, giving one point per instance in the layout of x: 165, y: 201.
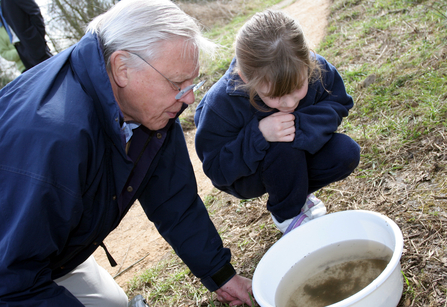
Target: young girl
x: 268, y: 125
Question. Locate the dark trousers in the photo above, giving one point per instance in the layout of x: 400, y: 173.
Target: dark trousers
x: 31, y: 59
x: 289, y: 175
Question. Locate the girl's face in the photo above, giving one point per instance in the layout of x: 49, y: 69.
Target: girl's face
x: 287, y: 103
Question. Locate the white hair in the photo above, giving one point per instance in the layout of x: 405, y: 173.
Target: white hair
x: 143, y: 26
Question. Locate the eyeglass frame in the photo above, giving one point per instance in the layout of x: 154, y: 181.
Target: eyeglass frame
x: 182, y: 92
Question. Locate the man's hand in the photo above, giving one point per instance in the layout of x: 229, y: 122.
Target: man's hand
x: 236, y: 291
x: 278, y: 127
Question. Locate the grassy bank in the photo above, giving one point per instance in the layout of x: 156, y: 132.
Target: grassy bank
x: 392, y: 56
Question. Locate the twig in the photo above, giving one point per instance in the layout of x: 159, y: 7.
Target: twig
x: 129, y: 267
x: 124, y: 259
x: 336, y: 190
x: 437, y: 11
x: 417, y: 252
x: 383, y: 51
x: 415, y: 30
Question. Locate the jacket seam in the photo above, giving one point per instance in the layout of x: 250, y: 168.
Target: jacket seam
x: 39, y: 178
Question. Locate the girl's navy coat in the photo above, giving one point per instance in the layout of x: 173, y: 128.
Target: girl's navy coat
x: 63, y: 174
x: 228, y: 139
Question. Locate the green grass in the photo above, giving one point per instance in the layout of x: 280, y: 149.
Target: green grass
x: 177, y: 284
x: 402, y: 43
x: 225, y: 36
x: 407, y: 101
x: 409, y: 290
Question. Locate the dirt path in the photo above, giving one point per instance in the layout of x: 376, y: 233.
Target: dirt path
x: 136, y: 244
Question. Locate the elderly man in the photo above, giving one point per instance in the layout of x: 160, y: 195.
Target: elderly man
x: 86, y: 133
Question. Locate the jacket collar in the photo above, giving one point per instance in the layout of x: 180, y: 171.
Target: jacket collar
x: 87, y: 62
x: 234, y: 81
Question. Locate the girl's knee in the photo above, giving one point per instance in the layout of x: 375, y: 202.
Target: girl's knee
x: 283, y: 155
x: 349, y: 156
x: 353, y: 156
x: 346, y: 151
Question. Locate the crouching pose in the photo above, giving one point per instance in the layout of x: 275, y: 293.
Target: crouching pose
x: 269, y: 124
x: 86, y: 133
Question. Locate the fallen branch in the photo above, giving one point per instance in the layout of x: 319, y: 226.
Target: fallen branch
x: 129, y: 267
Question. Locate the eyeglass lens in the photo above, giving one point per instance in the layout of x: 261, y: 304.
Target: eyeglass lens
x: 193, y: 87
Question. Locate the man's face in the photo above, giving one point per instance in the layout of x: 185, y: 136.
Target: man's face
x: 148, y: 98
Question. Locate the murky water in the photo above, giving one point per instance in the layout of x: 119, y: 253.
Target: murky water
x: 332, y: 274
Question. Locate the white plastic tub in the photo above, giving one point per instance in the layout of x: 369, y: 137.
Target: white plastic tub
x: 384, y: 291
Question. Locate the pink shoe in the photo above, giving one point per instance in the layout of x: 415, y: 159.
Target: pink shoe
x: 312, y: 209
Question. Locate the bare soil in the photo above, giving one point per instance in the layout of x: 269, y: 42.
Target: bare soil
x: 404, y: 179
x: 135, y: 244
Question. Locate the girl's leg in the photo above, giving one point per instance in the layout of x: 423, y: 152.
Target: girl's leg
x: 285, y: 178
x: 247, y: 187
x: 335, y: 161
x: 290, y: 175
x: 283, y: 175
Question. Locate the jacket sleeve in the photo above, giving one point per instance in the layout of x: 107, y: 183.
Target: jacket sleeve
x: 315, y: 123
x: 170, y: 200
x: 228, y: 140
x: 32, y: 228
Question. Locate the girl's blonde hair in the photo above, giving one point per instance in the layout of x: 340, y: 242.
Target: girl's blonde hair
x: 271, y: 50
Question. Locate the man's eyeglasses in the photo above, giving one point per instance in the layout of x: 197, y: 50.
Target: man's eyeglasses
x: 182, y: 92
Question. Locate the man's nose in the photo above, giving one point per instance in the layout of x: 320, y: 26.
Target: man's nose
x: 188, y: 98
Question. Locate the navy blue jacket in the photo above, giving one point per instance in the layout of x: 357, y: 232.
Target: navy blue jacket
x: 228, y: 139
x: 64, y: 178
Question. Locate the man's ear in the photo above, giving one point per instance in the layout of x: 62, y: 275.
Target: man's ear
x: 118, y: 68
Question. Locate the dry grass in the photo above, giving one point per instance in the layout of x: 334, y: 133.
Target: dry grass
x: 402, y: 173
x: 399, y: 121
x: 213, y: 12
x: 415, y: 198
x: 217, y: 13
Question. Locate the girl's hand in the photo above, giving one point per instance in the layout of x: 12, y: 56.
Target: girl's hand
x: 278, y: 127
